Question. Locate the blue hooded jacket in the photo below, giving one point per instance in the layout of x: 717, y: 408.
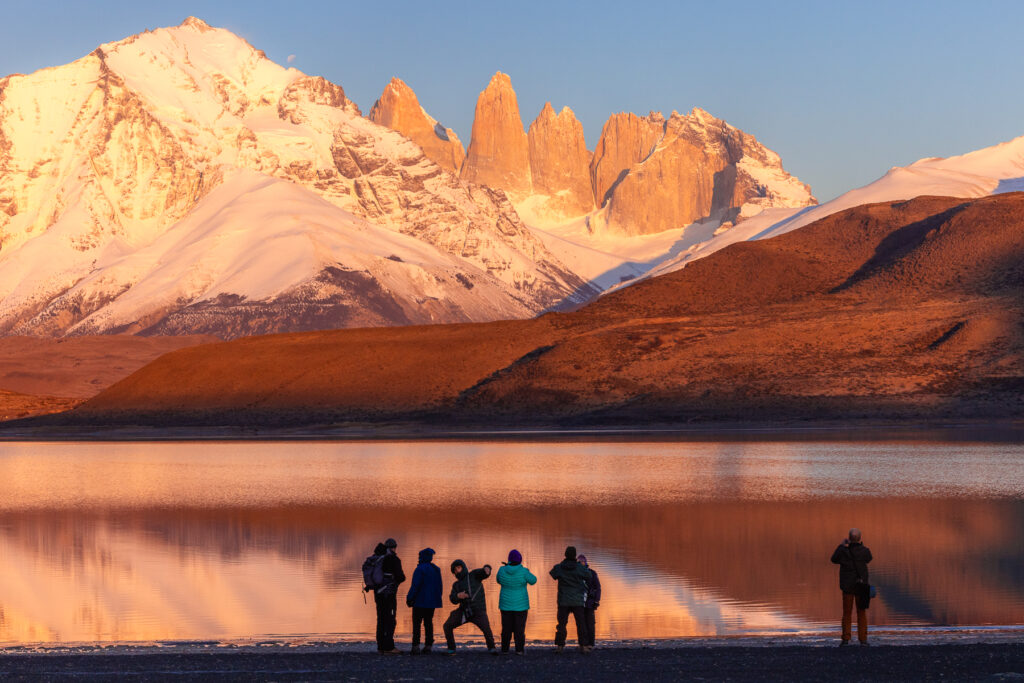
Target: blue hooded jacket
x: 425, y: 590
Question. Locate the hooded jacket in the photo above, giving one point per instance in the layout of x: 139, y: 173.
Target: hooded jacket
x: 593, y: 591
x: 853, y: 564
x: 513, y: 579
x: 470, y: 582
x: 425, y: 589
x: 572, y: 580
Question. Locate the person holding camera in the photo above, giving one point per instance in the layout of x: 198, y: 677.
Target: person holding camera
x: 514, y: 601
x: 572, y: 578
x: 468, y: 594
x: 852, y: 556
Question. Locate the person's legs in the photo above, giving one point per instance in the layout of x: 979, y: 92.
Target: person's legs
x: 454, y: 619
x: 428, y: 627
x: 581, y: 626
x: 589, y: 616
x: 390, y: 622
x: 862, y: 625
x: 520, y: 629
x: 847, y: 615
x: 560, y: 630
x: 417, y: 619
x: 507, y: 624
x: 484, y: 624
x: 382, y: 610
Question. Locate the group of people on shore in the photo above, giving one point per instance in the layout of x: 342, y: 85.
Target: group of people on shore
x: 579, y: 594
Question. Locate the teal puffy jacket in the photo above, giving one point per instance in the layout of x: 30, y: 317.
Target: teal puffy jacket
x: 513, y: 579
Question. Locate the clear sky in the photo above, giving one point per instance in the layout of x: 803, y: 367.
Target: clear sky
x: 841, y: 90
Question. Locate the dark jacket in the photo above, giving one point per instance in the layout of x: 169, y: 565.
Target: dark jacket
x: 853, y: 563
x: 426, y: 588
x: 593, y: 591
x: 393, y: 573
x: 572, y: 580
x: 471, y: 583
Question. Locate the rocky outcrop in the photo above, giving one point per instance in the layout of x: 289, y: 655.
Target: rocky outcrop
x: 560, y: 163
x: 702, y: 168
x: 398, y: 108
x: 626, y: 140
x: 498, y: 154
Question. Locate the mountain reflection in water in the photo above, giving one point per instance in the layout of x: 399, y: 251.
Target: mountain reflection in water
x: 83, y: 558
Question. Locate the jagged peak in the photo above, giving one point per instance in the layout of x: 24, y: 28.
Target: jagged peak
x: 196, y: 23
x: 499, y: 81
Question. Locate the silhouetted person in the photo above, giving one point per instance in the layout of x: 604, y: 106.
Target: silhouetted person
x: 592, y: 602
x: 852, y: 557
x: 424, y: 597
x: 386, y: 599
x: 572, y: 580
x: 468, y: 594
x: 514, y: 601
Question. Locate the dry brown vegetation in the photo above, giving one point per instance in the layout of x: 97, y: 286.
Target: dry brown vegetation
x: 898, y: 310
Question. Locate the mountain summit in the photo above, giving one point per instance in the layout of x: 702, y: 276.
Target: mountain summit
x: 178, y: 181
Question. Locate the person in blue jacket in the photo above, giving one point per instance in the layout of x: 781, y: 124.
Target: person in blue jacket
x: 514, y: 601
x: 424, y: 597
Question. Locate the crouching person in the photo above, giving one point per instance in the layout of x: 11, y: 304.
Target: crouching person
x: 468, y: 594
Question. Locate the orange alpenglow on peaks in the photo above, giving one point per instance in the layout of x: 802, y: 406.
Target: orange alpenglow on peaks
x: 398, y: 108
x: 498, y: 154
x: 560, y: 162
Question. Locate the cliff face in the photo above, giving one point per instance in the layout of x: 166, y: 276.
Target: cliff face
x: 559, y: 163
x: 398, y: 108
x: 178, y: 181
x: 626, y: 140
x: 498, y: 154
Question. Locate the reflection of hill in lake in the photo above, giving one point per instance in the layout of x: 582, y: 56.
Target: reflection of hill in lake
x: 668, y: 569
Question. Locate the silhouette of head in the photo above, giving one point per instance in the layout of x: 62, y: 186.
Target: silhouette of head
x: 515, y: 557
x: 487, y: 570
x: 458, y: 566
x: 391, y: 543
x: 380, y: 549
x: 855, y: 535
x: 582, y: 559
x: 570, y: 553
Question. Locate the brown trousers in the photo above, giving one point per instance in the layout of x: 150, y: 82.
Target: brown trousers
x: 862, y: 619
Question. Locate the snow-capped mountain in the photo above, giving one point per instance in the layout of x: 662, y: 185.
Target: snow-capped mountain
x: 991, y: 170
x: 179, y: 181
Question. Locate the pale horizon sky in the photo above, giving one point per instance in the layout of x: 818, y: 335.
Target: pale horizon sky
x: 842, y: 91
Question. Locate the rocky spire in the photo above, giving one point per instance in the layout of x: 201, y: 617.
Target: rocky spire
x: 498, y: 154
x: 626, y: 139
x: 398, y: 108
x: 560, y: 162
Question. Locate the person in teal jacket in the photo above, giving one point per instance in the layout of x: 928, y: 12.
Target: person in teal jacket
x: 514, y: 601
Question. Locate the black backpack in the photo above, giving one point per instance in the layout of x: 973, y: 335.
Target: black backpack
x: 373, y: 573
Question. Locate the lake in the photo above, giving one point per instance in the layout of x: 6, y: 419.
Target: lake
x: 126, y: 542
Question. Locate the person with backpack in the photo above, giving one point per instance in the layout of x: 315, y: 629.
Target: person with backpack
x: 572, y: 580
x: 382, y: 572
x: 424, y: 597
x: 514, y: 601
x: 593, y: 600
x: 468, y: 594
x: 852, y: 556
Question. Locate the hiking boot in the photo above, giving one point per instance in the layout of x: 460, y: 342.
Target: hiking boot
x: 520, y: 652
x: 560, y: 649
x: 449, y: 652
x: 843, y: 642
x: 415, y: 650
x: 394, y: 651
x: 864, y: 643
x: 426, y: 650
x: 493, y: 651
x: 586, y: 649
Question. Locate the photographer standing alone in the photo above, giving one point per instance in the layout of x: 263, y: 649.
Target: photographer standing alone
x: 852, y: 556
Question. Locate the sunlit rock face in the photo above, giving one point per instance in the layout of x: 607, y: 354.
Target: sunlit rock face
x: 700, y: 168
x: 498, y: 154
x: 178, y: 181
x: 559, y: 163
x: 626, y: 140
x: 398, y: 108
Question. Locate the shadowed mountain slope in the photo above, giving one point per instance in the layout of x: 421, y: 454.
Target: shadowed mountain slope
x: 908, y: 309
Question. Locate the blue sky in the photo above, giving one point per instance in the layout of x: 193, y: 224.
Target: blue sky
x: 842, y: 91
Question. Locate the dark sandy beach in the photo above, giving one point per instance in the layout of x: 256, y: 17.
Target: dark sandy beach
x: 995, y: 661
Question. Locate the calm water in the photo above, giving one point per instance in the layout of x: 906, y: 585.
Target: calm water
x: 166, y: 541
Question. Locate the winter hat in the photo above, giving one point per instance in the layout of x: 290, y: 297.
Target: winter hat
x: 515, y: 557
x: 426, y: 555
x: 570, y: 553
x: 458, y: 563
x: 582, y: 559
x: 391, y: 543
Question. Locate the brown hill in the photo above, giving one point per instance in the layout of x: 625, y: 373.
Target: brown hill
x: 897, y: 310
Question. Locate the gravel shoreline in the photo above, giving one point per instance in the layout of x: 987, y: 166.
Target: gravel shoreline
x: 996, y: 656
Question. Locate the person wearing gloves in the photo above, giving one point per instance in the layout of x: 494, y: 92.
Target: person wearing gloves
x: 424, y: 597
x: 468, y: 594
x: 514, y: 600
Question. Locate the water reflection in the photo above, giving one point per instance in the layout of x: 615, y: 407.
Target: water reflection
x: 171, y: 541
